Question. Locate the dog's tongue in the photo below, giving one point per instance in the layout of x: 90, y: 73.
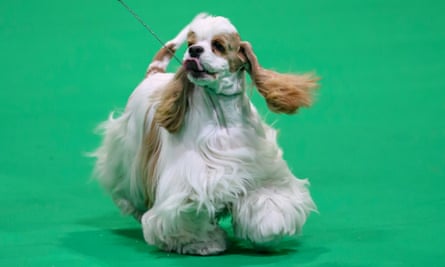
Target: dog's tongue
x: 193, y: 64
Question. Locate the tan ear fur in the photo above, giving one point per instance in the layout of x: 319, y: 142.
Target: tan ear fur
x: 173, y: 105
x: 284, y: 93
x: 169, y: 114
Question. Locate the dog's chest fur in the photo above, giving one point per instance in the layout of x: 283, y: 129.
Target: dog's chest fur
x: 218, y: 163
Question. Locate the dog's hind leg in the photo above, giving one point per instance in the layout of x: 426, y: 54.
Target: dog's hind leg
x: 127, y: 208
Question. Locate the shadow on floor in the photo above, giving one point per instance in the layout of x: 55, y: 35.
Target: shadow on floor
x: 125, y: 243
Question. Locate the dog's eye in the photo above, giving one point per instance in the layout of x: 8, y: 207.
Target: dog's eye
x: 218, y: 47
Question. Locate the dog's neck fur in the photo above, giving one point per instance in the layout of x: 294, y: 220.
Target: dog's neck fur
x: 225, y: 101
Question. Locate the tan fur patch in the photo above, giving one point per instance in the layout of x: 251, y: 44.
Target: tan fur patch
x: 165, y: 53
x: 170, y: 115
x: 231, y: 43
x: 284, y: 93
x: 191, y: 38
x: 173, y: 105
x: 155, y: 69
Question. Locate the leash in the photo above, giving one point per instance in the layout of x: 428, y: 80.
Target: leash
x: 219, y: 115
x: 149, y: 29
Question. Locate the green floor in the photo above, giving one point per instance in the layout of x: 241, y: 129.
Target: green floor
x: 373, y: 146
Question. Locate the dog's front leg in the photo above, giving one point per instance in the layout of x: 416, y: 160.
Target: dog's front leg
x: 267, y: 214
x: 183, y: 230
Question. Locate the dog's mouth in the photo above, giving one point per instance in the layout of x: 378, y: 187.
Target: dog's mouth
x: 194, y: 67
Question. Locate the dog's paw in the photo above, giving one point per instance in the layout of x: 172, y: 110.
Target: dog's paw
x: 214, y: 243
x: 270, y: 230
x: 205, y: 248
x: 265, y: 225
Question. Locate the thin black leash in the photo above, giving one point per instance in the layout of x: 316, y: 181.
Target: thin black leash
x: 149, y: 30
x: 220, y: 117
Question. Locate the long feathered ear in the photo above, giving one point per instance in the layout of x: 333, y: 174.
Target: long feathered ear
x: 284, y: 93
x: 173, y: 105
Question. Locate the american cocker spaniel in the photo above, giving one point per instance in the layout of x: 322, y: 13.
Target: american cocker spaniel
x: 190, y: 147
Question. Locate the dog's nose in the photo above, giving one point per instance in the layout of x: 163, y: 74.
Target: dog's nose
x: 196, y: 50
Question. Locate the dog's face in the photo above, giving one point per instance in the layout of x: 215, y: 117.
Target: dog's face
x: 216, y: 60
x: 213, y: 58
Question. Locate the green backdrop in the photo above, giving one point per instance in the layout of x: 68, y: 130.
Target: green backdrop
x: 373, y: 145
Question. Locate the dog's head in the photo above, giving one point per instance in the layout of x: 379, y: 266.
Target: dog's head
x: 216, y: 59
x: 212, y: 59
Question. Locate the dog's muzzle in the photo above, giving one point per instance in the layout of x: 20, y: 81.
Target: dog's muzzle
x: 194, y: 67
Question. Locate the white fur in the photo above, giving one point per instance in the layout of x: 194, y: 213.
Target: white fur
x: 206, y: 167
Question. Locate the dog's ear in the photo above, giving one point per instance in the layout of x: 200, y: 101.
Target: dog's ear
x: 173, y: 104
x: 284, y: 93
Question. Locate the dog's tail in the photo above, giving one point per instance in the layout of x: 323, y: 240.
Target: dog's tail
x: 165, y: 54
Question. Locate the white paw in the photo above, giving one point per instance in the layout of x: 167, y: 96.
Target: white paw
x: 215, y: 243
x: 265, y: 223
x: 195, y: 241
x: 205, y: 248
x: 270, y: 230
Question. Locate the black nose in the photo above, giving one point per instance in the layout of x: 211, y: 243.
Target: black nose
x: 196, y: 50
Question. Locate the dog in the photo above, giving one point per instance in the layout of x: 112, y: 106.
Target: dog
x: 190, y: 147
